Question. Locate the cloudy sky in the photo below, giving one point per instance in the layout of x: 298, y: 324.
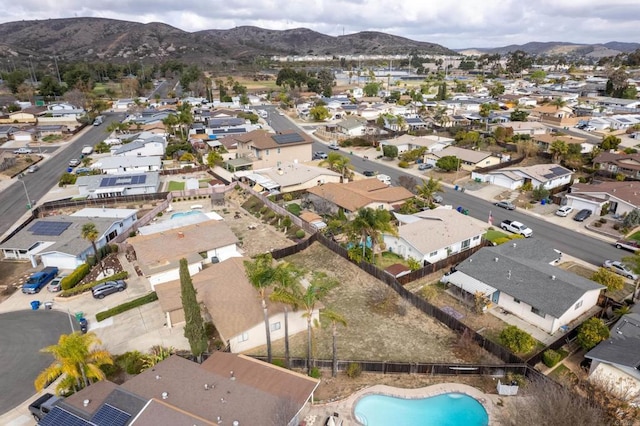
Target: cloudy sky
x: 454, y: 23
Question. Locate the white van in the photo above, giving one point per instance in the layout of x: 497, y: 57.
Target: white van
x: 384, y: 179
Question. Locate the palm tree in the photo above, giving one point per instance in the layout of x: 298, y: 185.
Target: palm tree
x: 335, y: 319
x: 286, y: 277
x: 485, y: 112
x: 338, y: 163
x: 90, y: 233
x: 371, y: 223
x: 558, y: 103
x: 428, y: 189
x: 77, y: 357
x: 261, y: 275
x: 558, y: 149
x: 307, y: 299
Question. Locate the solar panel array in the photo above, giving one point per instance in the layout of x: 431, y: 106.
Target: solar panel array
x: 57, y: 416
x: 288, y: 138
x: 49, y: 228
x: 555, y: 172
x: 122, y: 180
x: 109, y: 415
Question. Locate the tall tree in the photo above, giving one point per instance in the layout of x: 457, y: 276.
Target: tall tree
x: 90, y: 233
x: 286, y: 277
x: 194, y: 325
x: 261, y: 275
x: 371, y: 223
x: 79, y: 358
x: 558, y: 150
x: 335, y: 319
x: 338, y: 163
x: 428, y: 189
x: 633, y: 262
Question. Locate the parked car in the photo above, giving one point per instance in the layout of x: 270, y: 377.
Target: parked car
x: 23, y: 151
x: 437, y: 198
x: 56, y: 285
x: 107, y: 288
x: 74, y: 162
x: 620, y: 269
x: 425, y: 166
x: 334, y: 146
x: 33, y: 168
x: 369, y: 173
x: 319, y: 155
x: 40, y: 279
x: 632, y: 245
x: 564, y: 211
x: 505, y: 205
x: 516, y: 228
x: 582, y: 215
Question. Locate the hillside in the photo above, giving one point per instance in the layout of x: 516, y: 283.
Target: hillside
x: 109, y: 39
x: 559, y: 48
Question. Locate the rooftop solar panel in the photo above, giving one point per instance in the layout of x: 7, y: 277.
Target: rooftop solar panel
x: 287, y: 138
x: 57, y: 416
x: 109, y: 415
x: 49, y: 228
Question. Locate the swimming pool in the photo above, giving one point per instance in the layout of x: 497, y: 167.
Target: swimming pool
x: 449, y: 409
x: 182, y: 214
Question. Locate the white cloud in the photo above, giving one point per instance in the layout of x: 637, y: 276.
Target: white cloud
x: 454, y: 24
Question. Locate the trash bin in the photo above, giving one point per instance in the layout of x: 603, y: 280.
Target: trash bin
x: 79, y: 316
x: 456, y: 187
x: 48, y: 305
x: 543, y: 201
x: 35, y: 305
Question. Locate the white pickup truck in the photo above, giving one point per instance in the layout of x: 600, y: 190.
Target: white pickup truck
x: 87, y: 150
x: 516, y: 228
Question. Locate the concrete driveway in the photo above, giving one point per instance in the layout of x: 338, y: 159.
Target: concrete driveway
x: 23, y: 334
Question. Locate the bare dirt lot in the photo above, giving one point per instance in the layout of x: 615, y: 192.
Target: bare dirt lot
x: 390, y: 331
x: 12, y: 275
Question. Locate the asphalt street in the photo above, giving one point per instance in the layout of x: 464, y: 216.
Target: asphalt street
x: 22, y: 335
x: 13, y: 199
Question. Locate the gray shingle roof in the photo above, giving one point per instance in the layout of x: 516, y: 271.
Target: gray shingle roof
x: 623, y: 347
x: 524, y: 272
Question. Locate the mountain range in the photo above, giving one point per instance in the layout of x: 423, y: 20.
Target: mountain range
x: 121, y: 41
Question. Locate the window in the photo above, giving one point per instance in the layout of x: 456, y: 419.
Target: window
x: 538, y: 312
x: 578, y: 304
x: 476, y: 238
x: 433, y: 253
x: 243, y: 337
x: 278, y: 150
x: 275, y: 326
x: 266, y: 152
x: 516, y: 300
x: 466, y: 243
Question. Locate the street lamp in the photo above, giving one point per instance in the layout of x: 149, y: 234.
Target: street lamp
x: 25, y: 192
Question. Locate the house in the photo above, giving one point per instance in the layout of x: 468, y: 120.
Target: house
x: 57, y: 240
x: 355, y: 195
x: 545, y: 141
x: 615, y: 362
x: 289, y: 177
x: 24, y: 135
x: 127, y: 165
x: 266, y: 150
x: 618, y: 163
x: 200, y: 243
x: 7, y: 131
x: 64, y: 110
x: 352, y: 126
x: 469, y: 159
x: 101, y: 186
x: 530, y: 128
x: 521, y: 278
x: 144, y: 145
x: 549, y: 176
x: 123, y: 104
x: 50, y: 130
x: 619, y: 197
x: 234, y: 306
x: 434, y: 235
x: 229, y: 388
x: 24, y: 116
x: 406, y: 143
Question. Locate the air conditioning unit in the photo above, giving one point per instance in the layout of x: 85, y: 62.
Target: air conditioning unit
x: 215, y: 259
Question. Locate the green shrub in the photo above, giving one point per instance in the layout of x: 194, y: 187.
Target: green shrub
x: 315, y: 373
x: 294, y: 208
x: 515, y: 237
x: 270, y: 215
x: 429, y: 292
x: 75, y: 277
x: 287, y: 197
x: 264, y: 209
x: 516, y: 340
x: 616, y: 226
x: 110, y: 370
x: 551, y: 357
x: 403, y: 164
x: 602, y: 220
x: 597, y: 224
x: 279, y: 363
x: 86, y: 287
x: 300, y: 234
x: 131, y: 362
x: 501, y: 240
x: 148, y: 298
x: 353, y: 370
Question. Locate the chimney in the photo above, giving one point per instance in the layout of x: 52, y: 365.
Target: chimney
x: 180, y: 235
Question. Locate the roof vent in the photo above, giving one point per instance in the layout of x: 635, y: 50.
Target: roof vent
x: 157, y: 377
x: 553, y: 277
x: 236, y: 423
x: 219, y: 420
x: 165, y: 395
x: 232, y: 376
x: 86, y: 402
x: 514, y: 245
x: 495, y: 259
x: 180, y: 234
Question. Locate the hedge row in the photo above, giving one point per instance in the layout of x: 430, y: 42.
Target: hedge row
x: 148, y: 298
x: 86, y: 287
x: 75, y: 277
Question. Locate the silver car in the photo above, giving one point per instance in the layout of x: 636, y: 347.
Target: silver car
x: 106, y: 288
x: 620, y: 269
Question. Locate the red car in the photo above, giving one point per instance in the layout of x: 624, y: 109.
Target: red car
x: 631, y: 245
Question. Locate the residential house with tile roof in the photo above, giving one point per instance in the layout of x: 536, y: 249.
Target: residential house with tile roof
x: 520, y: 277
x: 549, y: 176
x: 615, y: 362
x: 263, y: 149
x: 618, y: 163
x: 200, y: 243
x: 620, y: 197
x: 351, y: 196
x: 469, y: 159
x: 433, y: 235
x: 545, y: 140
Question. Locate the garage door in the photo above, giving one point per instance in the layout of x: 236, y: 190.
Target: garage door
x: 502, y: 180
x: 579, y: 204
x: 59, y: 260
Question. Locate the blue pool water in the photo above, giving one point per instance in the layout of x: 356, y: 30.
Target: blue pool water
x: 450, y: 409
x: 181, y: 214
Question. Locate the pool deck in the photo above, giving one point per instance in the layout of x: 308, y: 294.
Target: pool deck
x: 316, y: 414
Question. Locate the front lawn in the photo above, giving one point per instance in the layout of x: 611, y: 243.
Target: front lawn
x: 492, y: 235
x: 634, y: 236
x: 387, y: 259
x: 176, y: 186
